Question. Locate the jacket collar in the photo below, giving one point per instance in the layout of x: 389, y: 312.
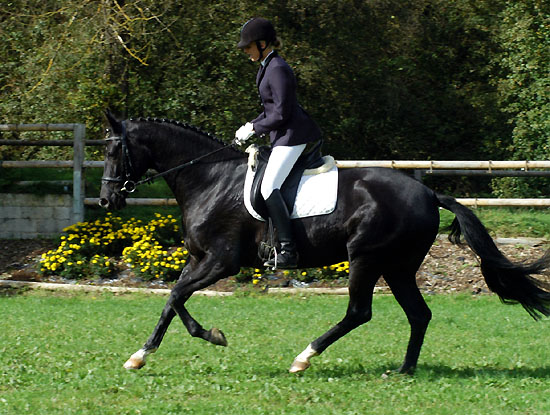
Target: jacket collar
x: 263, y: 66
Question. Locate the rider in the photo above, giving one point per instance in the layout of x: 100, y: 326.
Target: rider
x: 290, y: 128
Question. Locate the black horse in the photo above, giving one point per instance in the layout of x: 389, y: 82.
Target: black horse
x: 384, y: 224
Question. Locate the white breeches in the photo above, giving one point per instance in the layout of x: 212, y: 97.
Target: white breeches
x: 280, y: 162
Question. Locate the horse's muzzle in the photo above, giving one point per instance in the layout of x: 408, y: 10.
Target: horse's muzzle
x: 112, y: 202
x: 104, y: 203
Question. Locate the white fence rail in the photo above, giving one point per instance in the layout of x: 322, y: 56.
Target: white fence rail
x: 489, y: 167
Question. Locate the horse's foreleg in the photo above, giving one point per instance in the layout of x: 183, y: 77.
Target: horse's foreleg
x: 214, y: 335
x: 137, y: 360
x: 211, y: 269
x: 205, y: 274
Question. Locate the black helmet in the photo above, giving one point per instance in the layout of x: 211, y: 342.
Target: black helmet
x: 257, y: 29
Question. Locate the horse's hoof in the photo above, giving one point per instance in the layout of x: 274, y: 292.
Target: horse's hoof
x: 217, y: 337
x: 406, y: 370
x: 137, y: 360
x: 398, y: 372
x: 298, y: 366
x: 134, y: 363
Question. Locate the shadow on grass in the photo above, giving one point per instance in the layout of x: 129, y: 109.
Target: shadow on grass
x: 443, y: 371
x: 355, y: 372
x: 427, y: 371
x: 12, y: 291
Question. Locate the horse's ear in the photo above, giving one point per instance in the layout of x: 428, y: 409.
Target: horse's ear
x: 116, y: 125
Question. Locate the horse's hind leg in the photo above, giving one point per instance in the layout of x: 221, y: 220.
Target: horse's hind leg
x: 407, y: 294
x: 361, y: 287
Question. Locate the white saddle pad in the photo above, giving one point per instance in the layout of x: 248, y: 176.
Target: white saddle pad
x: 317, y: 192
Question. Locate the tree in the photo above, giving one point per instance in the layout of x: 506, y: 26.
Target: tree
x: 401, y: 79
x: 524, y: 92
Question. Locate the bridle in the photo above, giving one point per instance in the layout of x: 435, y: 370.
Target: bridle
x: 127, y: 167
x: 129, y: 185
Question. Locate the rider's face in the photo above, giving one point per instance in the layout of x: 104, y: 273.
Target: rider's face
x: 252, y: 50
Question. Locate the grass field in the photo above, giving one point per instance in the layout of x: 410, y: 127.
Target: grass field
x: 63, y: 354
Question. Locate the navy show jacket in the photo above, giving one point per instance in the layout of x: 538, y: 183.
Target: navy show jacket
x: 283, y: 118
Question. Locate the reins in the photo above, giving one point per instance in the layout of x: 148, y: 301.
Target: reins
x: 130, y: 185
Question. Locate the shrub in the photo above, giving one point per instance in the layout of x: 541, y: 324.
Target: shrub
x: 93, y: 249
x: 101, y: 247
x: 150, y: 259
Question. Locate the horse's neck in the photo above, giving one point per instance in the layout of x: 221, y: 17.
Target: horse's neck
x: 170, y: 153
x: 168, y: 150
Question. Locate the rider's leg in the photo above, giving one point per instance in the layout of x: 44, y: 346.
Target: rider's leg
x: 281, y: 161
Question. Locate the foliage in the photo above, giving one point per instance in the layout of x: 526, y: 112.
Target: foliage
x: 64, y: 355
x: 333, y: 272
x: 396, y: 79
x: 90, y: 249
x: 151, y: 260
x: 525, y: 91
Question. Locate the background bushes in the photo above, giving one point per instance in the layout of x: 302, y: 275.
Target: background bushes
x: 401, y: 79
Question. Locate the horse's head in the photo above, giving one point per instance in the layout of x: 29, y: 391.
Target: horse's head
x: 134, y: 146
x: 123, y: 164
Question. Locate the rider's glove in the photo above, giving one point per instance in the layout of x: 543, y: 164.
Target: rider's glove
x: 244, y: 133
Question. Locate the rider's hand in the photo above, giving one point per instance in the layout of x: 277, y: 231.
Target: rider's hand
x: 244, y: 133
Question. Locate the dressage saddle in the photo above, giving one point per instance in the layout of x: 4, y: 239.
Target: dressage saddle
x: 310, y: 159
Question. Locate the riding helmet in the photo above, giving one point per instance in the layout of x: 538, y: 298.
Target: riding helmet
x: 257, y: 29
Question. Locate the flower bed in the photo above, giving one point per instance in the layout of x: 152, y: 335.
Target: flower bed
x: 104, y: 248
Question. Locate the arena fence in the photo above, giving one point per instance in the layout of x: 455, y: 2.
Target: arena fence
x: 78, y: 142
x: 510, y: 168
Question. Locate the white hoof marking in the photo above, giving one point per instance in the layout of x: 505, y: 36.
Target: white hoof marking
x: 301, y: 362
x: 137, y: 360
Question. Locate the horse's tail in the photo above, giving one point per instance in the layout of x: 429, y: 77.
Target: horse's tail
x: 511, y: 282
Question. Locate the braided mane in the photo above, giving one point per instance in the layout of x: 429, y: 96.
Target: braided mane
x: 185, y: 126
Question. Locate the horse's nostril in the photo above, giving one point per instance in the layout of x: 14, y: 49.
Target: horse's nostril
x: 104, y: 203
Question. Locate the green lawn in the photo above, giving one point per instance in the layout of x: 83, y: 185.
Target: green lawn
x: 63, y: 354
x: 509, y: 221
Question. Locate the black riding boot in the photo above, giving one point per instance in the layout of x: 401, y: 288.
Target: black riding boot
x: 286, y: 257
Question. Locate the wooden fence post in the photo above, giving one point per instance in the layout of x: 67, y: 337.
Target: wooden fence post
x: 78, y: 178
